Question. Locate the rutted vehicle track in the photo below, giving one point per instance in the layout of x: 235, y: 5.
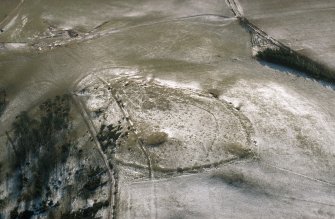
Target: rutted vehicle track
x: 93, y: 132
x: 10, y: 16
x: 236, y: 9
x: 131, y: 125
x: 121, y: 100
x: 298, y: 61
x: 95, y: 33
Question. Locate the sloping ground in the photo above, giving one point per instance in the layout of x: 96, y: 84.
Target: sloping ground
x: 235, y: 191
x: 7, y: 7
x: 37, y: 20
x: 306, y: 26
x: 171, y: 116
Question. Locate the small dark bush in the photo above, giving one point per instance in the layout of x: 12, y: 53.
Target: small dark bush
x: 14, y: 214
x: 26, y: 214
x: 93, y: 181
x: 3, y: 203
x: 214, y: 92
x: 2, y: 100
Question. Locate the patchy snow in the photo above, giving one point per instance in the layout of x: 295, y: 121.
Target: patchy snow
x: 288, y: 125
x: 174, y: 84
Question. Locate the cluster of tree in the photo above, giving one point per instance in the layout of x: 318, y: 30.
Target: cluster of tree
x: 93, y: 181
x: 88, y: 212
x: 298, y: 62
x: 42, y: 142
x: 108, y: 135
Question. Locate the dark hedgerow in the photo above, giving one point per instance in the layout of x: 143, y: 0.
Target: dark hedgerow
x: 298, y: 62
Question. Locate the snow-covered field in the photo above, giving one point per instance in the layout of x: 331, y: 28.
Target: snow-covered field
x: 236, y: 138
